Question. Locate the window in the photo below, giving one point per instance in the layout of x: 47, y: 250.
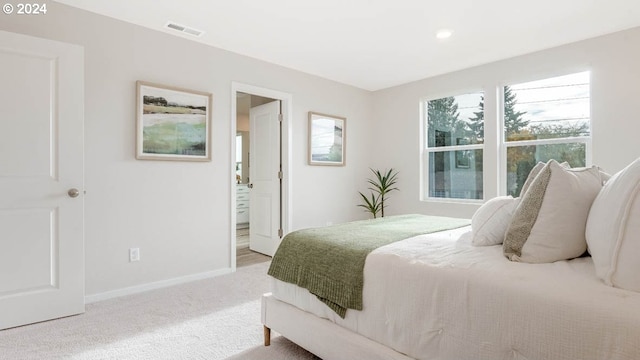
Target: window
x: 545, y: 119
x: 535, y: 121
x: 455, y: 137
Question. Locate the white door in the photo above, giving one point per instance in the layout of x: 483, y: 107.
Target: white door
x: 264, y: 165
x: 41, y: 163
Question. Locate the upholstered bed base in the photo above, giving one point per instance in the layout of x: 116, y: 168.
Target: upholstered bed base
x: 320, y: 336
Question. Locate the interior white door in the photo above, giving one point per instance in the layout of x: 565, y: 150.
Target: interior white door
x: 41, y: 180
x: 264, y: 165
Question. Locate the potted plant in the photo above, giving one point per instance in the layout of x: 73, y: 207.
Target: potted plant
x: 381, y: 185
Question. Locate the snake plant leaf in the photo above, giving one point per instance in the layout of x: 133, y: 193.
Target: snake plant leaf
x: 372, y: 205
x: 382, y: 184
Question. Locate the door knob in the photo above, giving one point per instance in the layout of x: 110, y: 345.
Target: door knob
x: 73, y: 193
x: 250, y: 186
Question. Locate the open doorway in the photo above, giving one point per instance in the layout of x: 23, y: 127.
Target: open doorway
x: 260, y: 169
x: 246, y: 254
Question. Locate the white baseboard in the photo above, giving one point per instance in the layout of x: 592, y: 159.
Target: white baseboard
x: 154, y: 285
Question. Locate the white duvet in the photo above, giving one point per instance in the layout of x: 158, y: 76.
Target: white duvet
x: 437, y: 297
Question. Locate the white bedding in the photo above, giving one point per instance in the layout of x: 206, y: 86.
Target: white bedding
x: 437, y: 297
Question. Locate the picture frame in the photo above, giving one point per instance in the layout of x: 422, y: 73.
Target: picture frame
x: 327, y: 134
x: 172, y: 123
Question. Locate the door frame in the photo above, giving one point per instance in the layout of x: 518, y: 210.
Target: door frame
x: 286, y: 100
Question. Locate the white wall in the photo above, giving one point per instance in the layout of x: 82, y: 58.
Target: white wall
x: 178, y: 213
x: 614, y: 61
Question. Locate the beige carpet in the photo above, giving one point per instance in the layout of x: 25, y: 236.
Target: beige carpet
x: 217, y: 318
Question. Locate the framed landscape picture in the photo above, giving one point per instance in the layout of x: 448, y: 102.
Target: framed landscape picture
x: 326, y: 139
x: 172, y: 123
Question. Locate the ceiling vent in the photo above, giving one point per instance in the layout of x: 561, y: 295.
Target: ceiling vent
x: 184, y: 29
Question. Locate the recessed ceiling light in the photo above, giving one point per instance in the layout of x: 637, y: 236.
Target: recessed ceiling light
x: 444, y: 34
x: 183, y: 29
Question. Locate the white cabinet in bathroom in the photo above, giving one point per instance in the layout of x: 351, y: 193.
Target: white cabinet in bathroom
x: 242, y: 204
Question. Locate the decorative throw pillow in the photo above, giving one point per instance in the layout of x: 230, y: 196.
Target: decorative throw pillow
x: 534, y: 172
x: 549, y: 223
x: 613, y: 229
x: 532, y: 175
x: 489, y: 223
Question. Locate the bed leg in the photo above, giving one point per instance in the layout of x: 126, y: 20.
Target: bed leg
x: 267, y: 336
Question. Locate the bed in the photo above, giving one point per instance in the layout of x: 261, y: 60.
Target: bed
x: 435, y: 296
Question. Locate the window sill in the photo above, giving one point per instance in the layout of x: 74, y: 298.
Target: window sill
x: 453, y: 201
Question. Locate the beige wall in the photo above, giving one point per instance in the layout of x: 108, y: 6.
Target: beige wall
x: 243, y: 122
x: 614, y: 61
x: 178, y: 213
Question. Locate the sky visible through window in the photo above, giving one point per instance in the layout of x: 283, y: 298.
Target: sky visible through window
x: 562, y: 100
x: 468, y: 105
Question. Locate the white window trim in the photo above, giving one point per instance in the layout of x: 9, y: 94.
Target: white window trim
x: 550, y: 141
x: 493, y: 142
x: 504, y: 144
x: 456, y: 148
x: 424, y: 187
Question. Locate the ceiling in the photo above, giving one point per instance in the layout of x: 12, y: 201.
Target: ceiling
x: 375, y: 44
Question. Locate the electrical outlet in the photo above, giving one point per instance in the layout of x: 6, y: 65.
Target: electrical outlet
x: 134, y: 254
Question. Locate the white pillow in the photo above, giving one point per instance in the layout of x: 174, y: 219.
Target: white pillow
x: 549, y: 223
x: 604, y: 176
x: 490, y: 221
x: 613, y: 229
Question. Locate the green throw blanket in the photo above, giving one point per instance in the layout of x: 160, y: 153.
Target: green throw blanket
x: 329, y: 261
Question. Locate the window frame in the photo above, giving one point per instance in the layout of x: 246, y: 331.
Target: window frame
x: 494, y: 145
x: 504, y: 145
x: 426, y: 150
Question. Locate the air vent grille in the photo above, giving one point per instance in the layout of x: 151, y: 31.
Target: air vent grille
x: 184, y: 29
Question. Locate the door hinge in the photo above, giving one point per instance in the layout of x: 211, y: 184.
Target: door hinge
x: 280, y: 117
x: 280, y: 175
x: 280, y: 233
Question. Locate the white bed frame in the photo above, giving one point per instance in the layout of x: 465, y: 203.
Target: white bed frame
x: 321, y: 337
